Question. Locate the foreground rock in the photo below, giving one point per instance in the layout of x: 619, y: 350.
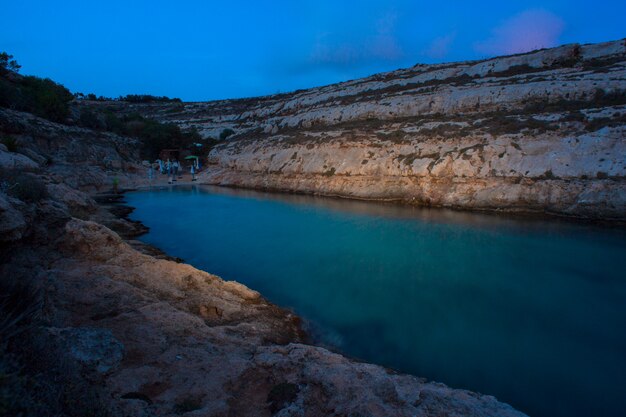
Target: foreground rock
x: 122, y: 332
x: 164, y: 338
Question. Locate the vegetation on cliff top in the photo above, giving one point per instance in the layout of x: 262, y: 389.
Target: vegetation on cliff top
x: 147, y: 98
x: 154, y: 136
x: 129, y: 98
x: 40, y: 96
x: 45, y: 98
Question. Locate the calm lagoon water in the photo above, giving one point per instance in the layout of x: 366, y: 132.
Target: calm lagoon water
x: 531, y: 311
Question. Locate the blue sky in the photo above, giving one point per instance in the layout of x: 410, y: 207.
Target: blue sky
x: 202, y: 50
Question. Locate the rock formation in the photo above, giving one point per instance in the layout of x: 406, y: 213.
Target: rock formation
x: 122, y: 332
x: 536, y: 132
x: 542, y: 131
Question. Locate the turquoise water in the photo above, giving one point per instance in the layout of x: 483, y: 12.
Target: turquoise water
x: 533, y: 312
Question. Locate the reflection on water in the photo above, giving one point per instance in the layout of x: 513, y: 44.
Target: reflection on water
x: 532, y: 311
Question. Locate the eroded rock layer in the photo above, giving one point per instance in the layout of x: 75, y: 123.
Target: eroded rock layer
x: 542, y: 131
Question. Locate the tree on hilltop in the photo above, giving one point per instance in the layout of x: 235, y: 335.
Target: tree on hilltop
x: 7, y: 63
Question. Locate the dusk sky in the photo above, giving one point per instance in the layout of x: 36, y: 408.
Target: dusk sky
x: 203, y: 50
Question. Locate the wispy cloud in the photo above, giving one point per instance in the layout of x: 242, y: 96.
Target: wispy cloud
x: 384, y: 45
x: 527, y: 31
x: 440, y: 46
x: 328, y: 51
x: 381, y: 45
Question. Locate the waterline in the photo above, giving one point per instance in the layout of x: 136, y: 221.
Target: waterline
x: 530, y: 311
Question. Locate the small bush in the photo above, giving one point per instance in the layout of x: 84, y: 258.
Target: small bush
x: 7, y: 63
x: 90, y: 120
x: 226, y: 133
x: 396, y: 136
x: 10, y: 142
x: 282, y: 395
x: 42, y: 97
x: 617, y: 119
x: 23, y: 186
x: 154, y: 136
x: 329, y: 173
x: 20, y: 302
x: 46, y: 98
x: 147, y: 98
x: 188, y: 404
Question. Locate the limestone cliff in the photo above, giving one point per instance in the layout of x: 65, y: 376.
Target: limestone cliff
x: 542, y: 131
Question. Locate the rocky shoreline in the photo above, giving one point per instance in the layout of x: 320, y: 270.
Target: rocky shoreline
x: 160, y: 337
x: 514, y: 213
x: 113, y: 328
x: 110, y: 326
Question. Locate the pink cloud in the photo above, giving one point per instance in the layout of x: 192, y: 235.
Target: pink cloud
x: 527, y: 31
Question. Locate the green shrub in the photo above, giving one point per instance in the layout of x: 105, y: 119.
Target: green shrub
x: 147, y: 98
x: 226, y: 133
x: 23, y: 186
x: 281, y: 395
x: 329, y: 173
x: 113, y: 124
x: 7, y: 63
x: 92, y: 97
x: 20, y: 302
x: 47, y: 98
x: 42, y: 97
x: 154, y: 136
x: 90, y: 120
x: 187, y: 405
x: 10, y: 142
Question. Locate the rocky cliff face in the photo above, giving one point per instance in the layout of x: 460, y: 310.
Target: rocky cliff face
x: 117, y: 331
x: 542, y: 131
x: 80, y: 158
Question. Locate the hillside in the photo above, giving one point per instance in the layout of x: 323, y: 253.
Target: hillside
x: 536, y: 132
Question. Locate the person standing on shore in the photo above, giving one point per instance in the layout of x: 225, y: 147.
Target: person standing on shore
x: 116, y: 183
x: 193, y: 172
x: 176, y: 167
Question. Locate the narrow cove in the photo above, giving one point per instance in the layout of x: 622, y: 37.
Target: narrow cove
x: 531, y: 311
